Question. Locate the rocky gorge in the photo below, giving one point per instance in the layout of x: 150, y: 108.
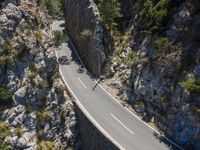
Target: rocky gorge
x: 38, y: 112
x: 148, y: 57
x: 156, y: 74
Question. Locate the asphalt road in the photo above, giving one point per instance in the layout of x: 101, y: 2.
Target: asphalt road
x: 118, y: 124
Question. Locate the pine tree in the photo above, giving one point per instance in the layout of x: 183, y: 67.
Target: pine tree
x: 109, y: 10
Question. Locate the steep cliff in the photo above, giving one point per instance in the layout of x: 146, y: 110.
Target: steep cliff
x: 82, y: 22
x: 158, y: 74
x: 36, y: 110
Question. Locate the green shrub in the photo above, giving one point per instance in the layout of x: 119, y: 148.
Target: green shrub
x: 109, y: 12
x: 56, y: 75
x: 43, y: 84
x: 7, y: 47
x: 141, y: 103
x: 34, y: 68
x: 38, y: 36
x: 19, y: 132
x: 164, y: 46
x: 37, y: 18
x: 54, y: 7
x: 192, y: 85
x: 41, y: 116
x: 25, y: 27
x: 4, y: 132
x: 8, y: 59
x: 153, y: 15
x: 21, y: 53
x: 5, y: 96
x: 60, y: 37
x: 40, y: 135
x: 31, y: 76
x: 49, y: 145
x: 86, y: 34
x: 131, y: 58
x: 60, y: 89
x: 29, y: 108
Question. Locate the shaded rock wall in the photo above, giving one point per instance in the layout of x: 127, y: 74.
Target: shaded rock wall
x: 92, y: 139
x: 81, y: 17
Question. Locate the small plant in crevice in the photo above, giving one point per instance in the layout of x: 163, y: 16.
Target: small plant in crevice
x: 192, y: 85
x: 164, y: 46
x: 38, y: 36
x: 60, y: 89
x: 33, y: 67
x: 48, y: 145
x: 29, y: 108
x: 131, y: 58
x: 4, y: 132
x: 60, y: 37
x: 32, y: 76
x: 55, y: 8
x: 43, y: 115
x: 40, y: 135
x: 19, y: 132
x: 86, y: 34
x: 43, y: 84
x: 5, y: 96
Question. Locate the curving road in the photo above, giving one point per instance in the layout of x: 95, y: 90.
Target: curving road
x: 119, y: 125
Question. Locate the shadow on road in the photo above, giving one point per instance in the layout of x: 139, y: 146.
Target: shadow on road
x: 163, y: 139
x: 63, y: 60
x: 75, y: 59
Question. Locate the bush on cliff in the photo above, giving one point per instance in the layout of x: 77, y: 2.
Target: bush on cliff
x: 153, y: 15
x: 110, y: 11
x: 192, y: 85
x: 5, y: 96
x: 60, y: 37
x: 4, y: 132
x: 54, y: 7
x: 86, y: 34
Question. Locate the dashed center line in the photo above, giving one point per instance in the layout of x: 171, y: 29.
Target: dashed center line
x: 121, y: 123
x: 82, y: 83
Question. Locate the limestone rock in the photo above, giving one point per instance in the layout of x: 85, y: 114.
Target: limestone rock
x: 90, y: 48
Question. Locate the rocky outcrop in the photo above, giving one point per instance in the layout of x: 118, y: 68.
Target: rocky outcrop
x: 152, y: 87
x: 42, y: 111
x: 82, y: 22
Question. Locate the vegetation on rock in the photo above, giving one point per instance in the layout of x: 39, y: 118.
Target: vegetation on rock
x: 5, y: 96
x: 192, y: 85
x: 4, y: 132
x: 60, y: 37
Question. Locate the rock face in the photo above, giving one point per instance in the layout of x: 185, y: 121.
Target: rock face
x: 42, y: 111
x: 152, y: 87
x: 82, y: 22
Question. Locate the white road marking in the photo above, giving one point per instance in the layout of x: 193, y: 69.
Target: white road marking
x: 82, y: 83
x: 121, y: 123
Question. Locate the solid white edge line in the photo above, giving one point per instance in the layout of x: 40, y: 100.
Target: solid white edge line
x: 121, y: 123
x: 120, y: 103
x: 89, y: 116
x: 82, y: 83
